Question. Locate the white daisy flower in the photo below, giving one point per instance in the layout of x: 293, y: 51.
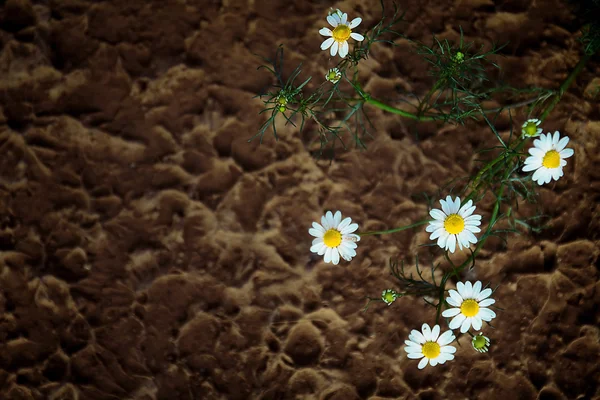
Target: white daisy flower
x: 334, y: 237
x: 338, y: 38
x: 333, y: 75
x: 469, y: 304
x: 389, y: 296
x: 548, y: 157
x: 480, y: 343
x: 454, y: 223
x: 530, y: 128
x: 432, y: 347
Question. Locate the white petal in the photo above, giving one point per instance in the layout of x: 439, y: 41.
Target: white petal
x: 437, y: 214
x: 468, y: 290
x: 325, y: 32
x: 349, y: 229
x: 451, y: 243
x: 348, y: 243
x: 531, y: 167
x: 486, y: 314
x: 344, y: 18
x: 318, y: 248
x: 536, y: 153
x: 318, y: 226
x: 443, y: 239
x: 337, y: 218
x: 456, y: 205
x: 316, y: 233
x: 357, y: 36
x: 413, y: 344
x: 566, y: 153
x: 355, y: 22
x: 556, y: 173
x: 335, y: 256
x: 347, y: 221
x: 439, y: 232
x: 473, y: 229
x: 344, y: 49
x: 334, y: 48
x: 562, y: 143
x: 476, y: 321
x: 435, y: 333
x: 539, y: 176
x: 426, y: 331
x: 325, y: 219
x: 465, y: 212
x: 433, y: 361
x: 451, y: 312
x: 415, y: 356
x: 458, y: 299
x: 445, y: 338
x: 486, y: 302
x: 332, y: 20
x: 467, y: 205
x: 476, y: 289
x: 446, y: 205
x: 475, y: 217
x: 457, y: 321
x: 327, y: 257
x: 448, y: 349
x: 423, y: 363
x: 465, y: 325
x: 469, y: 237
x: 556, y: 138
x: 485, y: 293
x: 417, y: 336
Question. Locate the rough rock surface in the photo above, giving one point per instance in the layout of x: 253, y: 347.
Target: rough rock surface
x: 148, y: 252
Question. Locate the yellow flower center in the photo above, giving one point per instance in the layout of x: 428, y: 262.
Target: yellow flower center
x: 431, y: 349
x: 454, y: 224
x: 469, y: 308
x: 341, y: 33
x: 530, y: 129
x: 332, y: 238
x: 551, y: 159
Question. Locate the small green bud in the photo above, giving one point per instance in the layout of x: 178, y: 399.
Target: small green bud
x: 389, y: 296
x: 458, y: 57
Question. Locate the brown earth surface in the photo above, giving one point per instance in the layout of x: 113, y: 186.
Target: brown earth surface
x: 149, y: 252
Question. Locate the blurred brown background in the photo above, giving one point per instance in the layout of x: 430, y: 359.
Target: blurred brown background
x: 149, y: 252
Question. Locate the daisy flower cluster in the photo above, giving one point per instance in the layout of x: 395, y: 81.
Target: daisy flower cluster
x: 454, y: 224
x: 453, y: 227
x: 469, y: 308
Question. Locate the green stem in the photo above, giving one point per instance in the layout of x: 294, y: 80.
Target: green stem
x: 490, y: 164
x: 565, y: 85
x: 402, y: 228
x: 394, y: 110
x: 425, y: 101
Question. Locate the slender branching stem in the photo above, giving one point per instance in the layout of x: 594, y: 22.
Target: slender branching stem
x: 565, y: 85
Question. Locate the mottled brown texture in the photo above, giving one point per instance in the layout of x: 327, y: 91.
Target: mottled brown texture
x: 148, y: 252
